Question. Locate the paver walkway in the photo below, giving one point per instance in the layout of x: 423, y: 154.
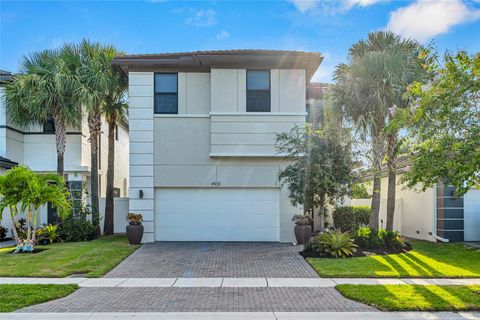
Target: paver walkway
x: 232, y: 282
x: 247, y: 316
x: 214, y: 259
x: 201, y: 300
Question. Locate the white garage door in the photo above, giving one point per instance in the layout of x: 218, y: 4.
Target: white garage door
x: 216, y: 214
x: 472, y: 215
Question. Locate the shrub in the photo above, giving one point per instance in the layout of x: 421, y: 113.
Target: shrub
x: 365, y: 238
x: 3, y: 232
x: 48, y: 234
x: 75, y: 227
x: 391, y: 239
x: 335, y: 244
x: 350, y: 218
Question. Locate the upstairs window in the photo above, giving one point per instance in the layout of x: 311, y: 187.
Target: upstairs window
x: 258, y: 91
x: 166, y: 93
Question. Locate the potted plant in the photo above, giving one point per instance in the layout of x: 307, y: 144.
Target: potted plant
x: 134, y: 228
x: 303, y: 229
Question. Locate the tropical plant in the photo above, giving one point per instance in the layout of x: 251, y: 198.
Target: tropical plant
x: 134, y: 218
x: 367, y: 238
x: 48, y: 234
x: 369, y: 88
x: 302, y: 219
x: 33, y: 191
x: 335, y: 244
x: 43, y: 90
x: 98, y: 91
x: 320, y: 169
x: 444, y: 125
x: 350, y: 218
x: 391, y: 239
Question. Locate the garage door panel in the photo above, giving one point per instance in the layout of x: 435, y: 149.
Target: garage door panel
x: 215, y: 220
x: 230, y: 194
x: 219, y: 207
x: 218, y: 234
x: 216, y: 214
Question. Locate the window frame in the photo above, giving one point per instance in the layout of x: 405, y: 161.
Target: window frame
x: 269, y: 89
x: 155, y: 93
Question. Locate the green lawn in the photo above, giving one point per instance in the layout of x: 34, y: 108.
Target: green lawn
x: 93, y: 258
x: 426, y: 260
x: 414, y: 297
x: 16, y: 296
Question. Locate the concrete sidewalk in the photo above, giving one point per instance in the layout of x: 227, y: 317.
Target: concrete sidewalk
x: 232, y: 282
x: 246, y: 315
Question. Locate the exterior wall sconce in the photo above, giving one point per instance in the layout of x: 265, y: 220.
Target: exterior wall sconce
x: 140, y: 194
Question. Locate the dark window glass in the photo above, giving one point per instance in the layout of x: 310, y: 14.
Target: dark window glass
x: 49, y: 126
x: 116, y: 132
x: 258, y: 91
x: 166, y: 93
x: 116, y: 192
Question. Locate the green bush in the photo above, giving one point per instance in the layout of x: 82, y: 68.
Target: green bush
x: 391, y: 239
x: 365, y: 238
x: 334, y: 244
x: 76, y: 227
x: 350, y: 218
x: 359, y: 191
x: 48, y: 234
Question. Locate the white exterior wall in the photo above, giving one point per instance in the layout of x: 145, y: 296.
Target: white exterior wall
x: 472, y: 215
x: 141, y: 149
x: 178, y: 151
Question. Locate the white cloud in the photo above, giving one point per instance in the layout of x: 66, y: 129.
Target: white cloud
x: 223, y: 35
x: 202, y: 18
x: 332, y: 7
x: 304, y: 5
x: 424, y: 19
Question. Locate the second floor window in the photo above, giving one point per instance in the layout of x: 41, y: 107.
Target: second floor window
x: 258, y: 91
x: 49, y: 126
x: 166, y: 93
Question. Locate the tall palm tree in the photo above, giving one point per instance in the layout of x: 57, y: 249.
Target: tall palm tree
x: 44, y: 89
x: 115, y: 111
x: 96, y: 80
x: 370, y: 87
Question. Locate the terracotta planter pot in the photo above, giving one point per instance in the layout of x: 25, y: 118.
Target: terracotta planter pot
x: 134, y: 233
x: 303, y: 233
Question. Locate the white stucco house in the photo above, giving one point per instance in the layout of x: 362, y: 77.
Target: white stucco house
x: 435, y: 214
x: 203, y: 165
x: 35, y: 147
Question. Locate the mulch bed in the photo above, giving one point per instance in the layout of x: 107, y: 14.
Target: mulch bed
x: 36, y: 250
x: 5, y: 239
x: 362, y: 252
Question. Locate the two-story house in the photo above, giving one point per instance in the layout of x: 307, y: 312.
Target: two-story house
x: 35, y: 147
x: 203, y: 164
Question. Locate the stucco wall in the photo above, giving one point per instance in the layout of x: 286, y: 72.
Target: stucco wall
x: 169, y: 151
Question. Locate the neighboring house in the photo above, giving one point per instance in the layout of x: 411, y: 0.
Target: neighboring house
x: 203, y: 165
x: 35, y: 148
x: 316, y: 95
x: 432, y: 214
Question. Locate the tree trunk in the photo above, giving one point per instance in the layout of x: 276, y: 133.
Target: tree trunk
x: 14, y: 224
x: 60, y: 140
x: 377, y: 149
x: 94, y: 126
x: 392, y: 179
x: 109, y: 203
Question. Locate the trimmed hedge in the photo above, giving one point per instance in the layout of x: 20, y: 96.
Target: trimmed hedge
x: 349, y: 219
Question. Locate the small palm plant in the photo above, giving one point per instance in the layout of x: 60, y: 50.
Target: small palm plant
x: 335, y: 244
x: 30, y: 192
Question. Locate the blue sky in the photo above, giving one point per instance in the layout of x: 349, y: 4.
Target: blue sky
x: 329, y: 27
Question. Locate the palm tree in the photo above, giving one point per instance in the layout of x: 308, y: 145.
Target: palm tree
x: 96, y: 80
x: 370, y: 87
x: 44, y: 89
x: 115, y: 112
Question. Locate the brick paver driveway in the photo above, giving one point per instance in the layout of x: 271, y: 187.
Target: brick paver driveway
x: 207, y: 260
x: 214, y: 259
